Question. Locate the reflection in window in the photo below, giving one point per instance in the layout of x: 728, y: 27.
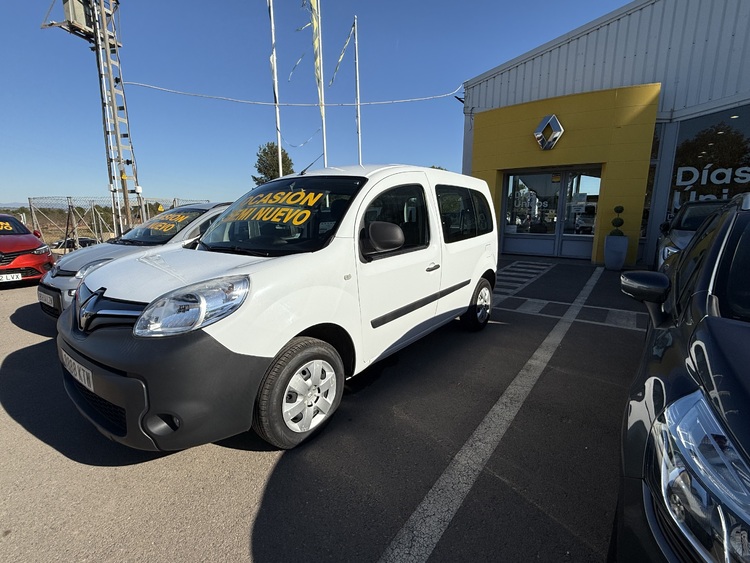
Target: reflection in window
x: 713, y: 157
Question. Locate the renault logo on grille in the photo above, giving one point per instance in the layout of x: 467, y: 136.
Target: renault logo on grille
x: 88, y: 309
x: 548, y: 132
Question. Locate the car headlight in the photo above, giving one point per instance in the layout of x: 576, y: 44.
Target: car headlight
x: 703, y: 481
x: 90, y: 267
x: 192, y: 307
x: 44, y: 249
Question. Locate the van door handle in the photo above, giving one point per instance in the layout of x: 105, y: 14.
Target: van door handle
x: 432, y: 267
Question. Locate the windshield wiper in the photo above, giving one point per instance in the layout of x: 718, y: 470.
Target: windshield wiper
x: 237, y: 250
x: 130, y: 241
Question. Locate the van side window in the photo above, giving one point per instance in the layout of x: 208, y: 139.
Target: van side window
x: 403, y: 206
x: 464, y: 213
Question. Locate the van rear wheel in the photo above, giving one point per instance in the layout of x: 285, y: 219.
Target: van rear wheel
x: 477, y: 315
x: 299, y: 393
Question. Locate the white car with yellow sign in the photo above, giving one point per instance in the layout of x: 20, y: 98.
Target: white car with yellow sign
x: 300, y: 284
x: 179, y: 225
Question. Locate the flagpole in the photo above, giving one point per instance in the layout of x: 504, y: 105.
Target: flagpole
x: 356, y: 78
x: 275, y: 88
x: 322, y: 90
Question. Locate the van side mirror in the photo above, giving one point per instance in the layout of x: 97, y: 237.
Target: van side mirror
x: 385, y: 236
x: 191, y: 243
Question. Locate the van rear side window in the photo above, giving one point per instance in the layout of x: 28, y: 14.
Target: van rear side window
x: 464, y: 213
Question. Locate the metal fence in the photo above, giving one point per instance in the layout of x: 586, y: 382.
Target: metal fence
x: 67, y: 223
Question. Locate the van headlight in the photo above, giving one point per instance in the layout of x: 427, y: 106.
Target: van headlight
x: 701, y: 479
x: 192, y: 307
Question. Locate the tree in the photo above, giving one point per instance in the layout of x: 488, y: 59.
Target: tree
x: 267, y: 165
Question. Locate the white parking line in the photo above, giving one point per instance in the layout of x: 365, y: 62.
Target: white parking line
x: 421, y: 533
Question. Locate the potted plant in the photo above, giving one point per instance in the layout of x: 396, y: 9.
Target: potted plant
x: 616, y: 243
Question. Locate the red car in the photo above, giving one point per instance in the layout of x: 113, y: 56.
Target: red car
x: 23, y: 256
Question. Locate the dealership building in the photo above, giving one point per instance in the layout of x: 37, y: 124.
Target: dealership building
x: 646, y: 108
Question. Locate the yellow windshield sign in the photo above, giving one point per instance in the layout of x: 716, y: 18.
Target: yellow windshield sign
x: 275, y: 207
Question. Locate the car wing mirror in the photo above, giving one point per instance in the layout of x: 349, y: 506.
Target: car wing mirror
x: 650, y: 288
x: 191, y: 243
x: 384, y: 236
x: 664, y: 227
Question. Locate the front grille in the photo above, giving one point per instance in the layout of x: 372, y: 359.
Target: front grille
x: 113, y: 414
x: 8, y: 257
x: 94, y: 310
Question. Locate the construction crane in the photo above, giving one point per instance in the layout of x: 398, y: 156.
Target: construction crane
x: 94, y: 21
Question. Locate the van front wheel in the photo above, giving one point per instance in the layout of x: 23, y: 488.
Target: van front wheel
x: 477, y: 315
x: 301, y: 390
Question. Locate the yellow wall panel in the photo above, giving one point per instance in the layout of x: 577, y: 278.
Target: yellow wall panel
x: 613, y: 128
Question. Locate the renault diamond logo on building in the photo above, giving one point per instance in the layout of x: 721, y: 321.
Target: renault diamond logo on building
x: 548, y: 132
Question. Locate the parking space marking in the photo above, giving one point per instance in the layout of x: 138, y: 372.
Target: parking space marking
x: 423, y: 530
x: 517, y: 275
x: 602, y: 316
x: 532, y: 306
x: 625, y: 319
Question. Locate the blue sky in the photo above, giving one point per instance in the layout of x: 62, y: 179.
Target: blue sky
x: 51, y: 140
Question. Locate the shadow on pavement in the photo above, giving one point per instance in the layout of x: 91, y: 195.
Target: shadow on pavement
x: 32, y: 393
x: 32, y: 319
x: 345, y: 493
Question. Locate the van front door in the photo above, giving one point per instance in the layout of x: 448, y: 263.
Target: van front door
x: 398, y: 289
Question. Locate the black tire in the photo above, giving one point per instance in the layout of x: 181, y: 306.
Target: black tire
x: 477, y: 315
x: 305, y: 413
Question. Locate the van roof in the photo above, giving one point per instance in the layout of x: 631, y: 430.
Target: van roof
x: 370, y: 170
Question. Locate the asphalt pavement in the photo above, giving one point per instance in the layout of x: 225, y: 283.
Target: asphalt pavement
x: 493, y: 446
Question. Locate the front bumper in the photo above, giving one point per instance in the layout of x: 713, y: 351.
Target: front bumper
x: 50, y: 299
x: 29, y: 266
x: 158, y: 393
x: 55, y: 294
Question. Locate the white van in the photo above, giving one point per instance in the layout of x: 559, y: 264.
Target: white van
x: 301, y: 283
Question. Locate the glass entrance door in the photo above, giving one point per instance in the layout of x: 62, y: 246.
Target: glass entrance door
x: 551, y: 213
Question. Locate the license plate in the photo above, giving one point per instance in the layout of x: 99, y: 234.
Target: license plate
x: 82, y: 374
x: 44, y: 298
x: 10, y: 277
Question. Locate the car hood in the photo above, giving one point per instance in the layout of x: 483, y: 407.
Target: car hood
x: 77, y: 259
x: 144, y: 276
x: 721, y: 362
x: 17, y: 243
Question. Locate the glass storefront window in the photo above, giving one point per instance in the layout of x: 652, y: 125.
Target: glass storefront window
x: 534, y: 203
x: 713, y: 157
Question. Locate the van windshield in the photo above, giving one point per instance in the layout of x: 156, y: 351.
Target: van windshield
x: 286, y: 216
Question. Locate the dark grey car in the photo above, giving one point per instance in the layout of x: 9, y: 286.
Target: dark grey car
x: 685, y: 486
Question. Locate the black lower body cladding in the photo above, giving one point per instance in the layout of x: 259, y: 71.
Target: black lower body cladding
x: 162, y: 394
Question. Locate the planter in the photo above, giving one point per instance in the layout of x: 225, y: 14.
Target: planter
x: 615, y: 251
